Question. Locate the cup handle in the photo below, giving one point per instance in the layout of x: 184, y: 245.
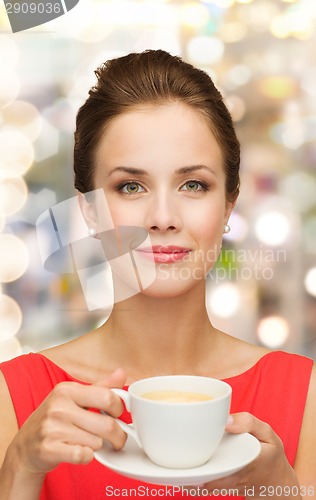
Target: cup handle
x: 128, y: 428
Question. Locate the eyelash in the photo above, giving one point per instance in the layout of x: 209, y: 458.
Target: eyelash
x: 203, y: 185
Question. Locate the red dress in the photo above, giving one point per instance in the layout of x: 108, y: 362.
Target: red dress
x: 274, y: 390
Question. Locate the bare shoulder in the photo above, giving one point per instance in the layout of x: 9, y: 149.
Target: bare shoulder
x: 83, y: 358
x: 305, y: 463
x: 8, y: 422
x: 71, y: 350
x: 238, y: 356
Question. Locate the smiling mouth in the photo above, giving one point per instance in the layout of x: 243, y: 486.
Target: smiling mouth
x: 165, y: 254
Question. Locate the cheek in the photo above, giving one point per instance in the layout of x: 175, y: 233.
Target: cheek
x: 120, y: 214
x: 210, y: 242
x: 207, y: 224
x: 126, y: 217
x: 208, y: 234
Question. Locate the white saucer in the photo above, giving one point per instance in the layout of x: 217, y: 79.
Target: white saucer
x: 234, y: 453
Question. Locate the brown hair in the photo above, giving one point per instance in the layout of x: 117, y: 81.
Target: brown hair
x: 151, y: 77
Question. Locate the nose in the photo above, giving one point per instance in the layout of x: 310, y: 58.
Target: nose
x: 163, y: 215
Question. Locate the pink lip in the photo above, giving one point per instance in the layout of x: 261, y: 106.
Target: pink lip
x: 165, y: 254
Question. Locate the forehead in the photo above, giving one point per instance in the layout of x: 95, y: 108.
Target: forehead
x: 172, y: 134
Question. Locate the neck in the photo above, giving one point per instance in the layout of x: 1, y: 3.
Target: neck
x: 170, y: 335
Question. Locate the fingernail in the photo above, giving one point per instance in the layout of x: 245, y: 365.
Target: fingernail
x: 230, y: 420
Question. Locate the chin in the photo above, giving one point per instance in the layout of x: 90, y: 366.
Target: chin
x: 170, y: 288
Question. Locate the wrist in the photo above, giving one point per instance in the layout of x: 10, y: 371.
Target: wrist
x: 17, y: 481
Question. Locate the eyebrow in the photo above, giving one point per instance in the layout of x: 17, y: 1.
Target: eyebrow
x: 179, y: 171
x: 193, y: 168
x: 128, y: 170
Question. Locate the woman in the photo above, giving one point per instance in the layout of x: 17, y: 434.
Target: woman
x: 156, y: 138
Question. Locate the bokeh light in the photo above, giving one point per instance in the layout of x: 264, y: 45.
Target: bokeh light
x: 9, y: 55
x: 309, y: 234
x: 261, y: 14
x: 90, y: 28
x: 236, y: 106
x: 9, y: 89
x: 273, y: 331
x: 16, y: 153
x: 293, y: 22
x: 272, y: 228
x: 278, y: 87
x: 300, y: 187
x: 233, y: 32
x: 194, y: 14
x: 2, y: 220
x: 47, y: 143
x: 238, y: 75
x: 13, y: 194
x: 204, y: 50
x: 239, y: 227
x: 24, y: 116
x: 11, y: 318
x: 310, y: 281
x: 62, y: 114
x: 223, y: 4
x: 224, y: 300
x: 309, y: 81
x: 14, y: 258
x: 10, y: 348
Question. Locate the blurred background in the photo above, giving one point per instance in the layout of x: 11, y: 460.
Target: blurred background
x: 261, y: 55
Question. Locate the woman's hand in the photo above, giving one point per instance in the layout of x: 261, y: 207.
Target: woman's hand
x: 270, y: 468
x: 63, y: 430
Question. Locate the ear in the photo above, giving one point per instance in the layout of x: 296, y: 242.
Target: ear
x: 88, y: 211
x: 229, y: 207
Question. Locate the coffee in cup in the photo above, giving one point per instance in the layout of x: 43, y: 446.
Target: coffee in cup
x: 176, y: 396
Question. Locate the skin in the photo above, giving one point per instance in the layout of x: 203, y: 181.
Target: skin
x: 166, y: 327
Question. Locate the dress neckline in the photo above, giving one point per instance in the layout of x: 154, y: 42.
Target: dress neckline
x: 228, y: 379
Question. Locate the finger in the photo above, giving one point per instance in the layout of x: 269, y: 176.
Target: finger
x: 102, y: 427
x: 245, y: 422
x: 114, y: 379
x: 92, y: 396
x: 52, y: 453
x: 74, y: 454
x: 81, y: 455
x: 76, y: 436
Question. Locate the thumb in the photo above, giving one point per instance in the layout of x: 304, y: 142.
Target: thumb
x: 115, y: 379
x: 245, y: 422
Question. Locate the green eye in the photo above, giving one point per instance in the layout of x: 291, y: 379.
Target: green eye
x: 131, y: 188
x: 192, y: 186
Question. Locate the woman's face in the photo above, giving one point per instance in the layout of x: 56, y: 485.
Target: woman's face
x: 161, y: 170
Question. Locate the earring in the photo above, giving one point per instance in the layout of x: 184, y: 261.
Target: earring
x: 226, y: 229
x: 92, y: 231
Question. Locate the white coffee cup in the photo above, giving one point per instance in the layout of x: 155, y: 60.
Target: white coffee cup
x: 177, y: 434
